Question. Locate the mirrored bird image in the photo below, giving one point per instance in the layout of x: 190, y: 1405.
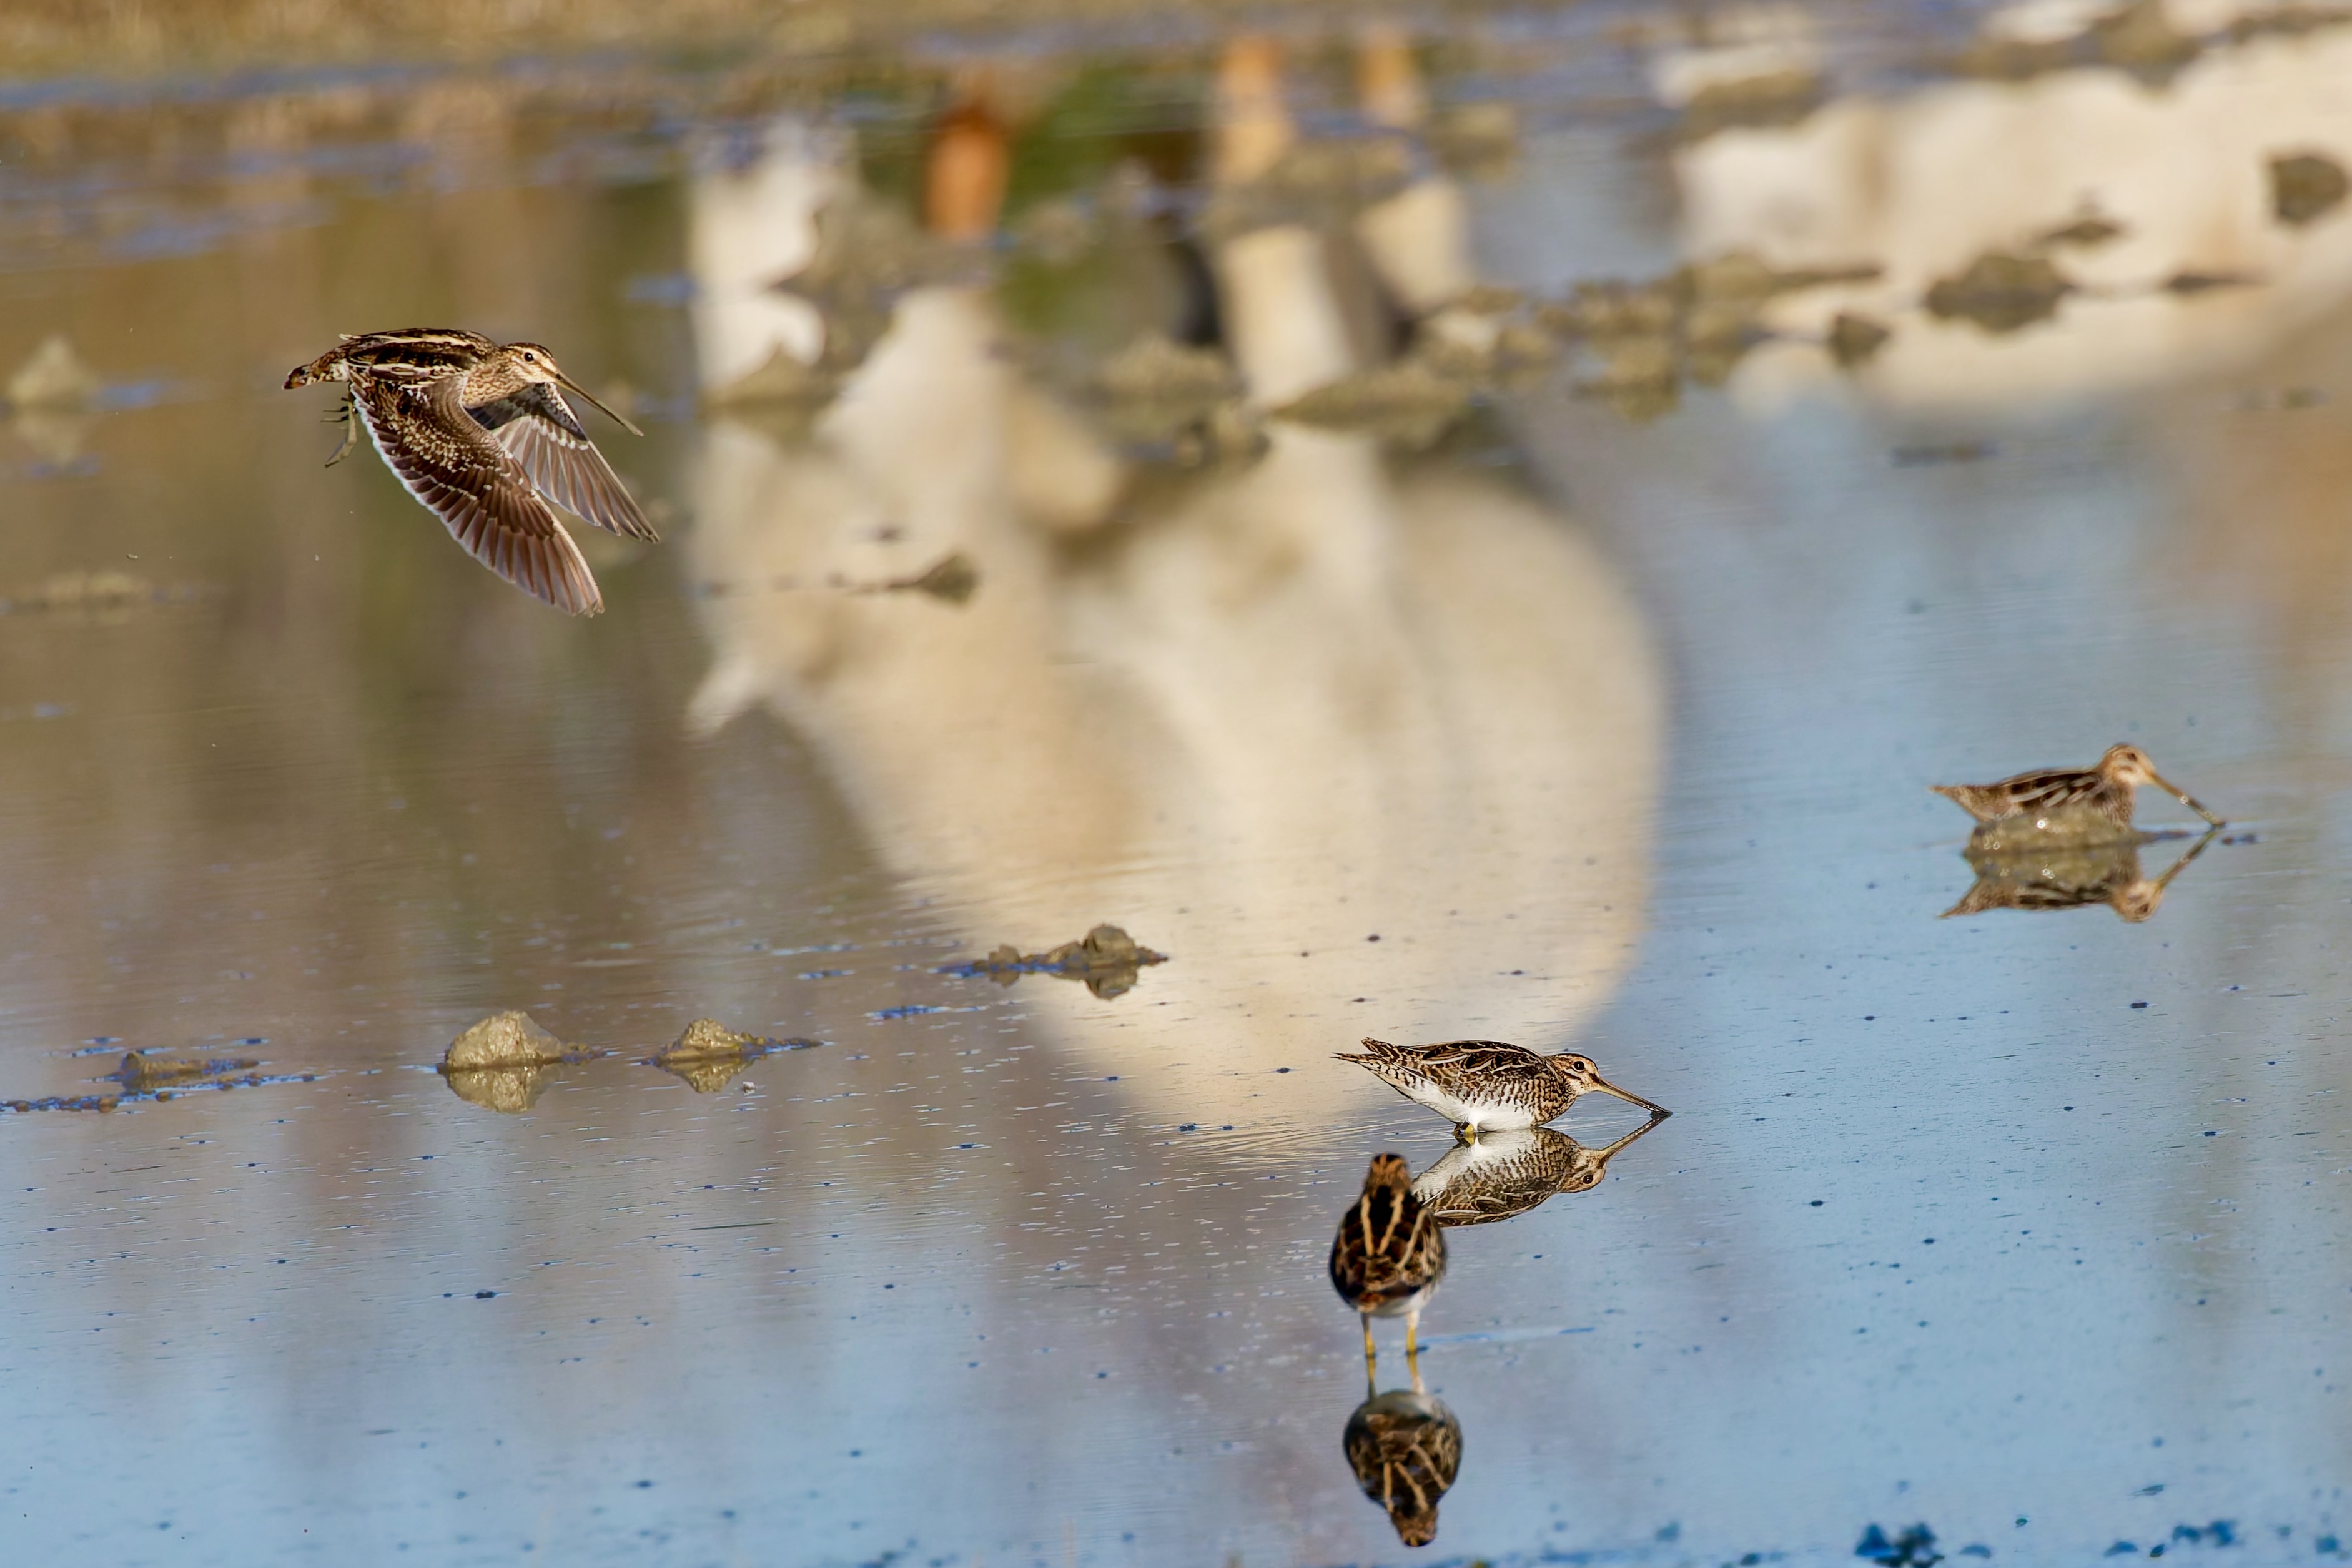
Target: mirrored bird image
x: 1500, y: 1175
x: 2070, y: 874
x: 2082, y: 800
x: 1389, y: 1255
x: 1405, y: 1447
x: 1483, y: 1085
x: 479, y: 432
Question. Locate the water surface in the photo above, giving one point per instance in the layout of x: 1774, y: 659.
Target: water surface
x: 1566, y: 666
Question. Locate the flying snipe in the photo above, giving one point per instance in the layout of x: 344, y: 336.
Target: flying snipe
x: 2077, y: 798
x: 1483, y: 1085
x: 1388, y: 1254
x: 478, y: 431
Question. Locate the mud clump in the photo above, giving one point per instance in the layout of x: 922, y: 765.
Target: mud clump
x: 708, y: 1055
x: 953, y: 580
x: 1410, y: 402
x: 102, y: 592
x: 149, y: 1075
x: 1854, y: 339
x: 2000, y: 293
x: 54, y: 379
x: 1106, y: 959
x: 2307, y: 187
x: 501, y: 1063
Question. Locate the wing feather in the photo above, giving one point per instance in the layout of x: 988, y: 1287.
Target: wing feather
x: 475, y: 487
x: 545, y: 436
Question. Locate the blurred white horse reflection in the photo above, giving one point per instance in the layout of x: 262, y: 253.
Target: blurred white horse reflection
x: 1357, y: 748
x: 2177, y: 171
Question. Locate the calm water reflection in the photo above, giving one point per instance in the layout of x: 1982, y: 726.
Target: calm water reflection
x: 1470, y: 535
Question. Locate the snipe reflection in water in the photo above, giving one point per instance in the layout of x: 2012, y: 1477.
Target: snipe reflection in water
x: 1405, y: 1447
x: 1500, y: 1175
x: 2066, y: 874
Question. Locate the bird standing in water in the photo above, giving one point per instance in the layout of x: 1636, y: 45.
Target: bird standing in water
x: 2099, y: 797
x: 1388, y: 1254
x: 480, y: 434
x: 1481, y: 1085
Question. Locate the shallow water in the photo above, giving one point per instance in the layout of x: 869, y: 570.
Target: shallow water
x: 1582, y: 693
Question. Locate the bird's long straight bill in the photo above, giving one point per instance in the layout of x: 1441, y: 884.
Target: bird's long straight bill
x: 572, y: 386
x: 1605, y: 1087
x: 2184, y: 797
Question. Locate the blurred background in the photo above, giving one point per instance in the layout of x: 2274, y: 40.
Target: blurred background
x: 1468, y: 521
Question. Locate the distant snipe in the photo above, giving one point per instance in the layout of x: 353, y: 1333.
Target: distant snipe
x: 1388, y: 1254
x: 1481, y: 1085
x: 478, y: 431
x: 2062, y: 797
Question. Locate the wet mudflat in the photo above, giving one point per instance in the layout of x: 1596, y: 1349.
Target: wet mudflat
x: 1472, y: 536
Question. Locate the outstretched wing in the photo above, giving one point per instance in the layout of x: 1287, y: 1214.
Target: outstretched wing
x: 539, y: 427
x: 475, y: 487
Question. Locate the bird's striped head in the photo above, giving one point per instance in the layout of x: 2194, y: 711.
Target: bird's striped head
x: 2127, y: 765
x: 1583, y: 1077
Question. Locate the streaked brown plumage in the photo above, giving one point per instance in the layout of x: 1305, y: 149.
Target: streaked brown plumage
x: 480, y: 434
x: 1388, y: 1254
x: 2068, y: 875
x: 1500, y: 1175
x: 2085, y: 801
x: 1484, y: 1084
x: 1405, y: 1447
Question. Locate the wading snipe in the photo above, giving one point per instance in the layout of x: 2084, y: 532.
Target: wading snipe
x: 1483, y: 1085
x: 2060, y: 797
x: 1388, y: 1254
x: 478, y: 431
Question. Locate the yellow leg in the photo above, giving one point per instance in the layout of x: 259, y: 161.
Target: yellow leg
x: 1412, y: 1346
x: 1371, y: 1355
